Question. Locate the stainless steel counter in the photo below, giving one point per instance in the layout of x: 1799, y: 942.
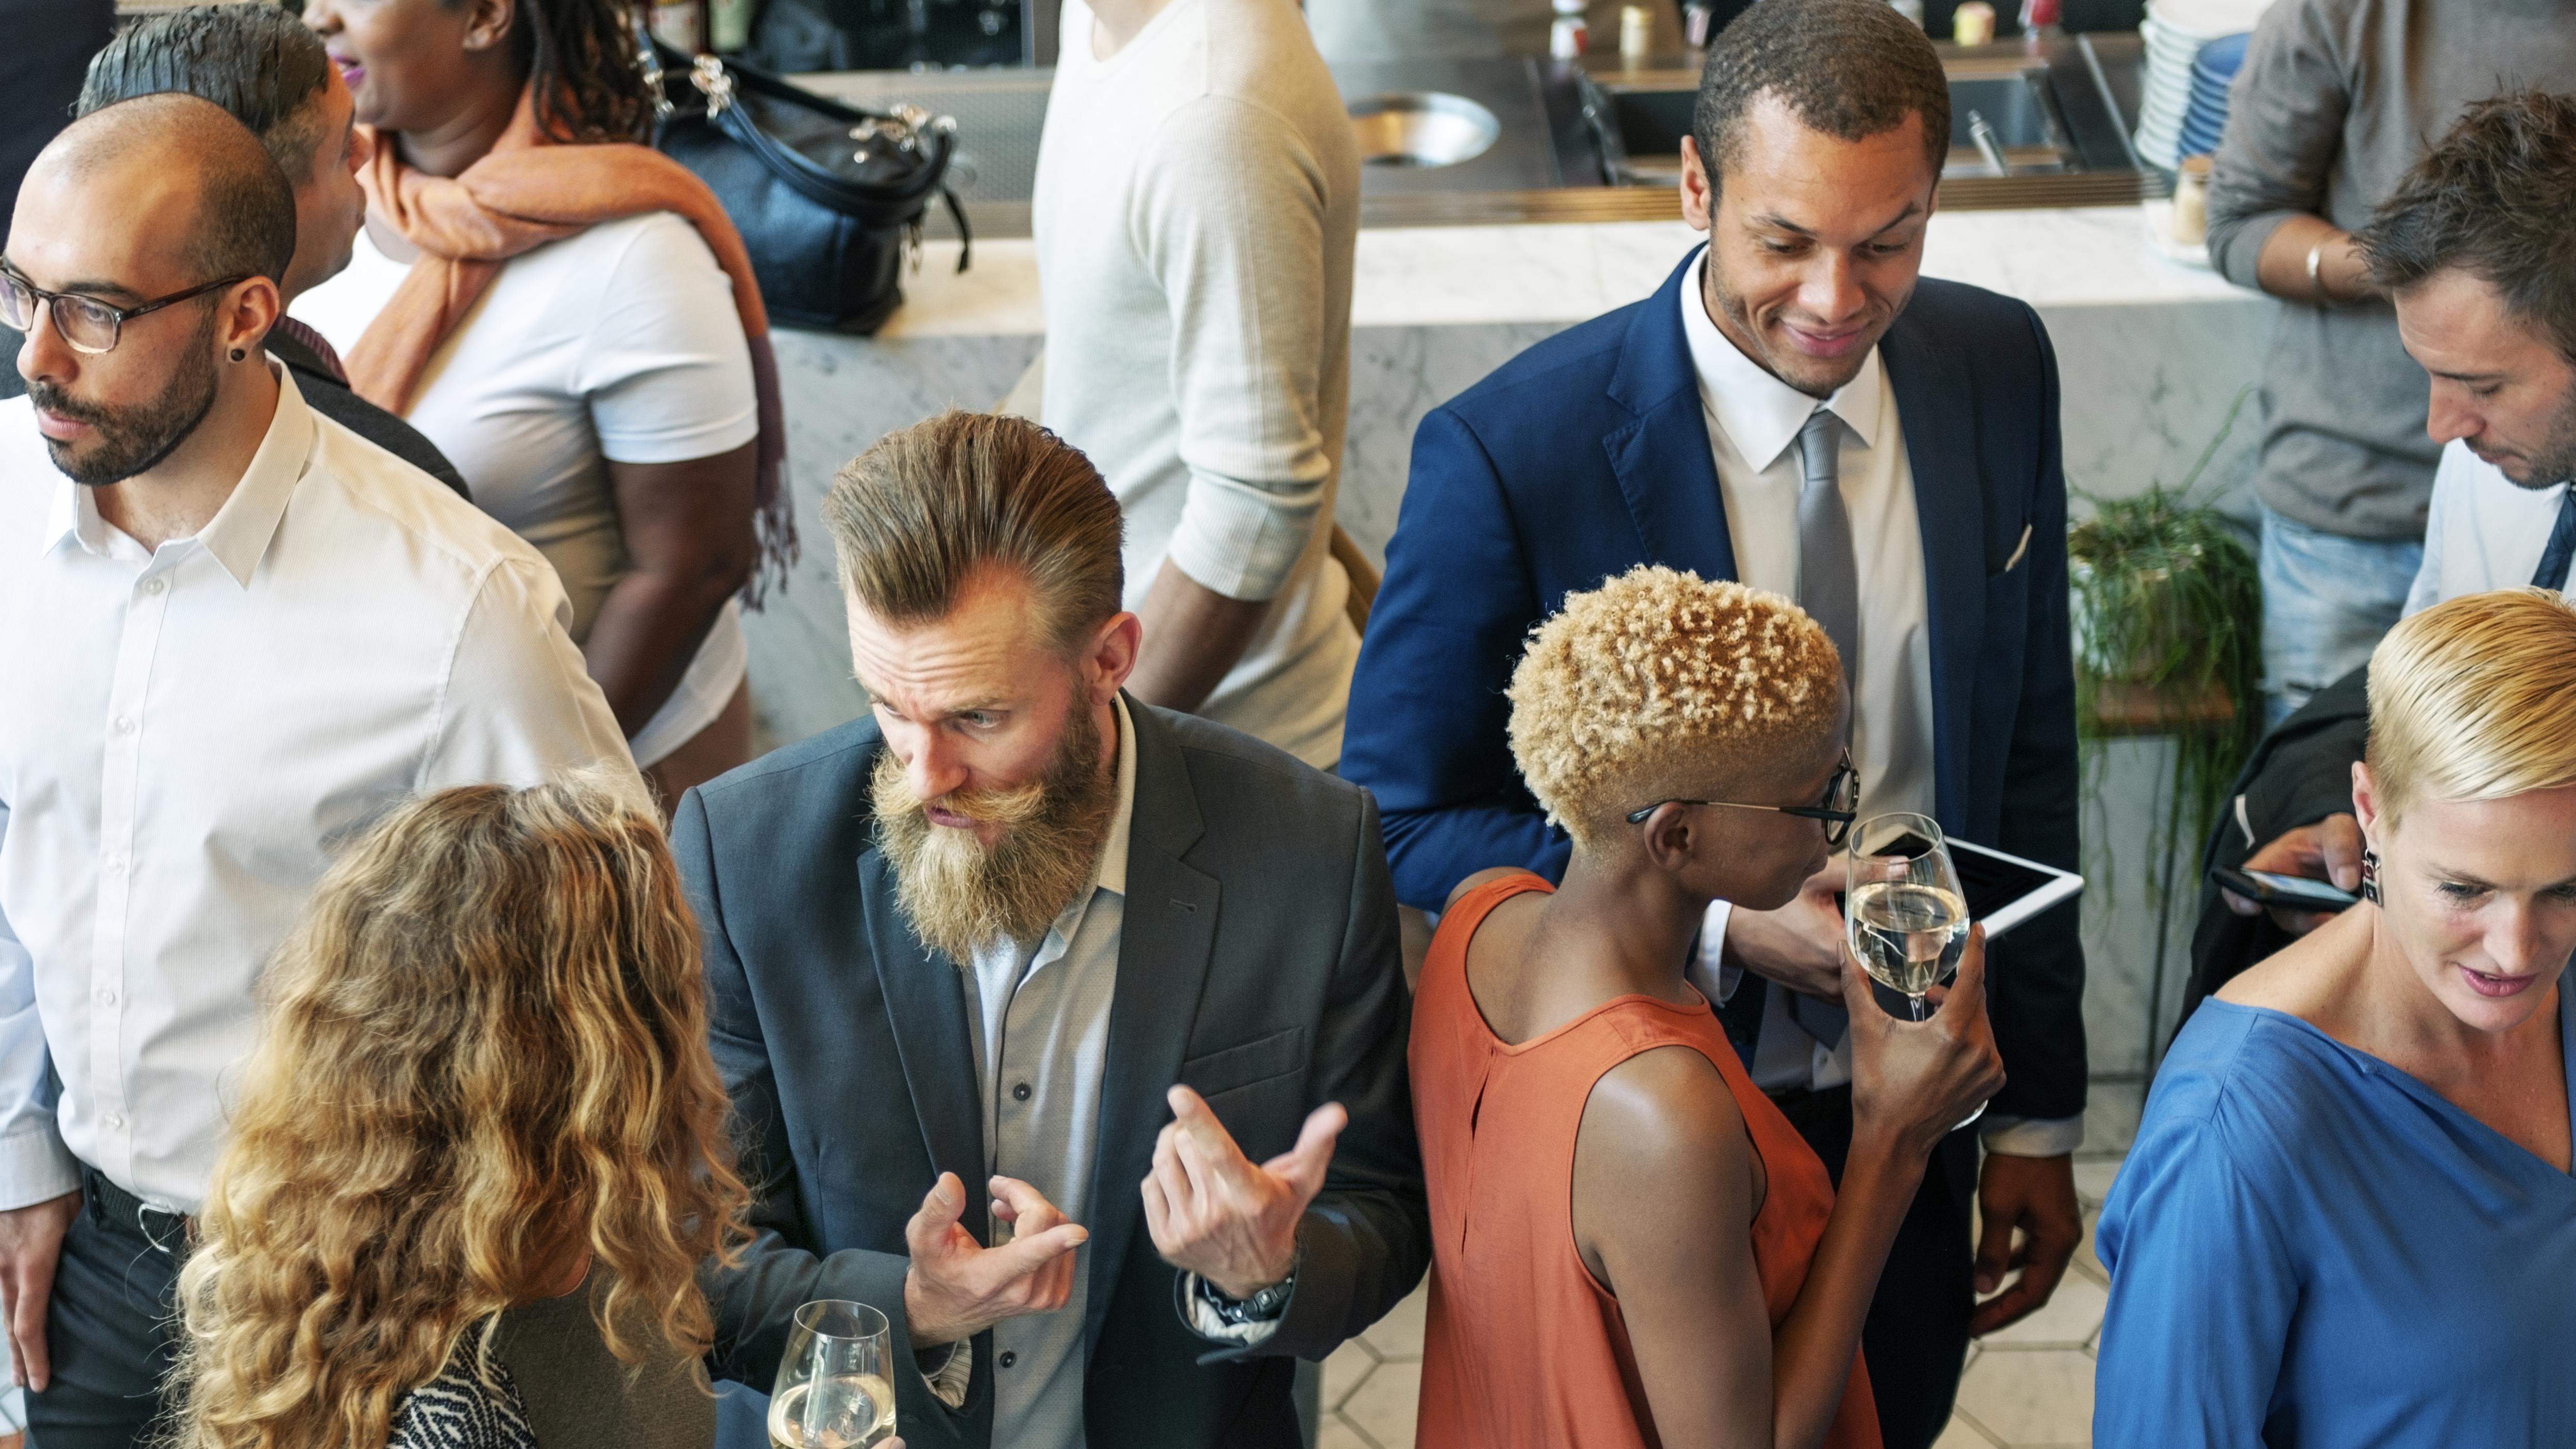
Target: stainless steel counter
x: 1595, y: 140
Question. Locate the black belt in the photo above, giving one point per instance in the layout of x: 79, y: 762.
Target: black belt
x: 1791, y: 1098
x: 115, y: 1207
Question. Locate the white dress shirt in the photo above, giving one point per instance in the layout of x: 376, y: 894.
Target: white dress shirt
x: 2484, y: 531
x: 1753, y: 424
x: 189, y: 732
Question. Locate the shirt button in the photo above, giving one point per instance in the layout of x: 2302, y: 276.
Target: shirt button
x: 125, y: 724
x: 107, y: 996
x: 113, y: 1121
x: 1020, y: 1093
x: 116, y: 865
x: 152, y: 587
x: 1008, y: 1358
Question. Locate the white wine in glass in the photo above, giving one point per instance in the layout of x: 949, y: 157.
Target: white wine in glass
x: 1903, y: 911
x: 833, y: 1388
x: 1902, y: 906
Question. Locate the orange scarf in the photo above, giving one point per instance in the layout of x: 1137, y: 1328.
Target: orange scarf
x: 527, y: 191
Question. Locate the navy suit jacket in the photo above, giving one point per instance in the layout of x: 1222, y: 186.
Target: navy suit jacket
x: 1257, y: 962
x: 1589, y: 454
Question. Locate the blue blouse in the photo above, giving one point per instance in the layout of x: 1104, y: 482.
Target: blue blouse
x: 2310, y: 1247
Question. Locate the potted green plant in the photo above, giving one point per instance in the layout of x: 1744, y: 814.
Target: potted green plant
x: 2168, y: 607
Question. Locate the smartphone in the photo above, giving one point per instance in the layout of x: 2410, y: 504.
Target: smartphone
x: 2290, y: 892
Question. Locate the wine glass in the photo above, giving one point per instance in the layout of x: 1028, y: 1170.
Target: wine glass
x: 834, y: 1390
x: 1905, y: 915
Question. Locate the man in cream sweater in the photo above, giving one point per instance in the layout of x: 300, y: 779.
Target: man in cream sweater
x: 1196, y: 207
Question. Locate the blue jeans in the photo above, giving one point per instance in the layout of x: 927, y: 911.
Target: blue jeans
x: 2326, y: 601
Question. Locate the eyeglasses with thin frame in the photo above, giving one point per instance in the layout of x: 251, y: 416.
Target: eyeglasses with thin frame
x: 1839, y: 807
x: 84, y: 321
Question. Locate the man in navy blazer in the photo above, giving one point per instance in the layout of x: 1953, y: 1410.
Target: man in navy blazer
x: 1903, y: 434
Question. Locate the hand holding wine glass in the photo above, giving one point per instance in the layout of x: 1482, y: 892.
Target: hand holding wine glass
x: 1917, y: 1080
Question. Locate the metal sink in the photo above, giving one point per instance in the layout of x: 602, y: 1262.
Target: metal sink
x: 1491, y: 141
x: 1422, y: 128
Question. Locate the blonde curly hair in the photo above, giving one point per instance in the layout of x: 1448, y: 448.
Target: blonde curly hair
x: 485, y: 1048
x: 1658, y: 683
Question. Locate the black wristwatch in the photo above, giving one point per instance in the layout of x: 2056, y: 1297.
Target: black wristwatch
x: 1261, y: 1307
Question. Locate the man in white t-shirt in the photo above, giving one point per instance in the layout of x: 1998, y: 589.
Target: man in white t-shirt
x: 1196, y: 209
x: 2473, y: 251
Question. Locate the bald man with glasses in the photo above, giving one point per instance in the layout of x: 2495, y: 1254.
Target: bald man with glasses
x: 231, y: 633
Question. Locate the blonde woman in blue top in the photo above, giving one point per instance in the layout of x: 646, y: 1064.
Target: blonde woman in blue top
x: 2348, y: 1219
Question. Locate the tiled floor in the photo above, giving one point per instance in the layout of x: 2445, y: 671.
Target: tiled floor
x: 2028, y: 1387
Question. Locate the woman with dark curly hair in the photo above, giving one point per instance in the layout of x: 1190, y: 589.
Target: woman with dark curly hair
x: 570, y: 317
x: 479, y: 1153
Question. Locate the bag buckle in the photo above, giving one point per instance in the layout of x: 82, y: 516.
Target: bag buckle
x: 903, y: 129
x: 712, y: 81
x: 649, y: 66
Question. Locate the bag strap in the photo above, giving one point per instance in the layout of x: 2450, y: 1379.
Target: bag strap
x: 719, y: 81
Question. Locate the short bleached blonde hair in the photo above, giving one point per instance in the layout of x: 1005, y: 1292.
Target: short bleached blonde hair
x: 1657, y: 683
x: 2474, y: 699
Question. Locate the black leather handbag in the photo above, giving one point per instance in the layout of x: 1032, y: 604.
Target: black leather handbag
x: 829, y: 198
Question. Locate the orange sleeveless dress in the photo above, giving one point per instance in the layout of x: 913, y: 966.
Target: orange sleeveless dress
x: 1524, y: 1350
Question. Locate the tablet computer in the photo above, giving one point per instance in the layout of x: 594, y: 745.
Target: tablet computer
x: 2002, y: 890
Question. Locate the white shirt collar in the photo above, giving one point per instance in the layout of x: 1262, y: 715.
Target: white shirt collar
x: 1760, y: 414
x: 239, y: 533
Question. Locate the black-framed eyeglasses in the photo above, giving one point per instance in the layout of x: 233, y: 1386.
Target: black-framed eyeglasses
x: 88, y: 324
x: 1838, y: 809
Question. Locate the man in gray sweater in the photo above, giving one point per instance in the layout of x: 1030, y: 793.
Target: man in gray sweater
x: 2336, y: 100
x: 1196, y: 210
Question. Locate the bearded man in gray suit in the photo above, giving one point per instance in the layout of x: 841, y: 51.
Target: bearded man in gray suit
x: 1066, y: 1031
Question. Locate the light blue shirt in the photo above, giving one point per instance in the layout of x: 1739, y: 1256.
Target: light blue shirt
x: 2309, y: 1247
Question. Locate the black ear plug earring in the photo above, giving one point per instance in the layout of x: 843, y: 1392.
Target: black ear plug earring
x: 238, y: 354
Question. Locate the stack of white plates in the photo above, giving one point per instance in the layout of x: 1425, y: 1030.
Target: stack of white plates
x: 2174, y: 31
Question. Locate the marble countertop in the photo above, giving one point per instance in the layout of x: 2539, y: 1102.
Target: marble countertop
x: 1460, y: 275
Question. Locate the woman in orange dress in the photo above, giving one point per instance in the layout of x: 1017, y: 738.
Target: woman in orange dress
x: 1632, y: 1247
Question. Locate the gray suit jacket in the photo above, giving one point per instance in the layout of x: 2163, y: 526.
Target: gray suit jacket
x: 1258, y: 963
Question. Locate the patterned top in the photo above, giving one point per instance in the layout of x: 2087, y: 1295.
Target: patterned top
x: 472, y: 1404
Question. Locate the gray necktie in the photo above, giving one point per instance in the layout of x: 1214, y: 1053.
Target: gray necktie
x: 1828, y: 579
x: 1829, y: 590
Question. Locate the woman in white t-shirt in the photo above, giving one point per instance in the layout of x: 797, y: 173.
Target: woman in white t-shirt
x: 570, y: 318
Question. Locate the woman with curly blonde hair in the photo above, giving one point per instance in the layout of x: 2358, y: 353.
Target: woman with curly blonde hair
x: 479, y: 1153
x: 1633, y: 1246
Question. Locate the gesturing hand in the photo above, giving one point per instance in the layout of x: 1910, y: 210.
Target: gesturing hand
x: 957, y: 1287
x: 1213, y: 1213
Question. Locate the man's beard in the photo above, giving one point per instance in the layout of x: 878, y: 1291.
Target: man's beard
x: 127, y: 441
x: 2554, y: 461
x: 961, y: 896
